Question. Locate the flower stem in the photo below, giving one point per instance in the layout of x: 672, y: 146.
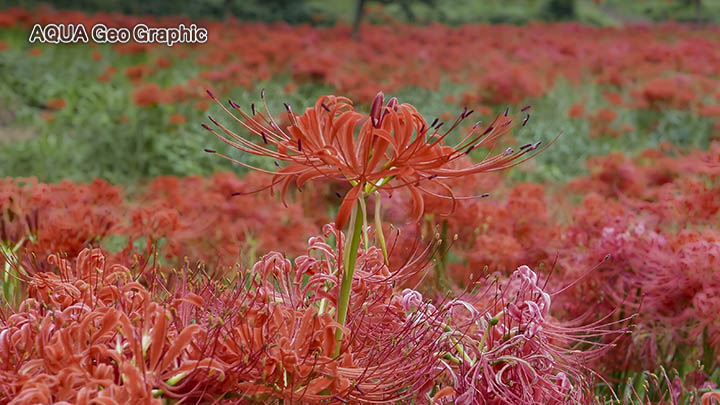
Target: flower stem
x: 441, y: 281
x: 492, y: 322
x: 363, y: 208
x: 378, y: 227
x: 351, y: 250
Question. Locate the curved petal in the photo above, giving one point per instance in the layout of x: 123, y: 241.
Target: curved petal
x: 346, y: 207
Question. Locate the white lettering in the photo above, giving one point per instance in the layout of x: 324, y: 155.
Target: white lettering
x: 102, y: 34
x: 37, y: 34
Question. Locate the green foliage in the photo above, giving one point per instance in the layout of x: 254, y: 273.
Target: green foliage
x: 684, y: 386
x: 560, y: 9
x: 292, y: 11
x: 707, y: 11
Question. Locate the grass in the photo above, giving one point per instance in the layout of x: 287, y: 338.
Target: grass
x: 605, y: 13
x: 659, y: 10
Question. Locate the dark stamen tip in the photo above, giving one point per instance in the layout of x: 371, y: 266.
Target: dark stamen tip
x: 439, y: 125
x: 477, y: 124
x: 537, y: 145
x: 326, y: 108
x: 233, y: 104
x: 299, y: 145
x: 213, y: 120
x: 527, y: 145
x: 469, y: 149
x: 277, y: 164
x: 338, y: 195
x: 206, y: 127
x: 507, y: 111
x: 263, y: 137
x: 209, y: 93
x: 488, y: 130
x: 485, y: 195
x: 527, y: 107
x: 262, y: 93
x: 236, y: 194
x: 508, y: 151
x: 432, y: 176
x: 210, y: 151
x: 252, y: 107
x: 434, y: 122
x: 525, y: 121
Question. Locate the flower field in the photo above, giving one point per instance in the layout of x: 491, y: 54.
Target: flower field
x: 472, y: 214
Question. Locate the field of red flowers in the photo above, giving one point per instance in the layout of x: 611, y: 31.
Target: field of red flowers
x: 535, y: 219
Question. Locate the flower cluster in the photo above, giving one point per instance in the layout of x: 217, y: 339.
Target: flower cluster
x: 96, y: 331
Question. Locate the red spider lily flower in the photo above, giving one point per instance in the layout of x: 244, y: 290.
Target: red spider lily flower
x: 163, y: 62
x: 576, y: 111
x: 708, y: 397
x: 56, y: 104
x: 392, y: 147
x: 137, y: 72
x: 177, y: 119
x: 88, y: 331
x: 148, y: 95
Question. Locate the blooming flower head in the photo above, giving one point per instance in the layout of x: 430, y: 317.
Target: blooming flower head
x: 392, y: 147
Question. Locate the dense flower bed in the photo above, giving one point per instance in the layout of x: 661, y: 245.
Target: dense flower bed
x: 661, y: 65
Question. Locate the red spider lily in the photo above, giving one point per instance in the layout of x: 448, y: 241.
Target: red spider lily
x: 391, y: 148
x: 576, y: 111
x: 709, y: 398
x: 177, y: 119
x: 90, y: 334
x: 148, y: 95
x: 56, y: 104
x: 277, y: 340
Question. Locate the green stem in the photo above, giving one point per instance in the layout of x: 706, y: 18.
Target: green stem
x: 494, y: 321
x: 351, y: 249
x: 364, y: 223
x: 442, y: 283
x: 378, y: 228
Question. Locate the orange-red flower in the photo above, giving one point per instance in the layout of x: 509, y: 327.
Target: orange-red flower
x: 56, y: 104
x: 177, y: 118
x: 391, y: 148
